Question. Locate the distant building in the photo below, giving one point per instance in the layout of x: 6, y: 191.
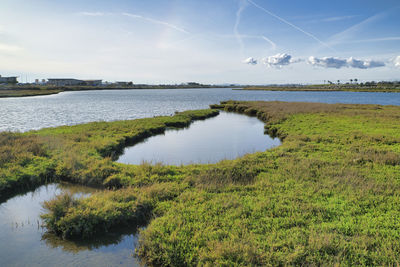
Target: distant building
x: 122, y: 83
x: 65, y: 82
x: 8, y: 80
x: 72, y: 82
x: 93, y: 82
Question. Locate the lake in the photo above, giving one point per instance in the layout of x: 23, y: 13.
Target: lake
x: 226, y: 136
x: 67, y: 108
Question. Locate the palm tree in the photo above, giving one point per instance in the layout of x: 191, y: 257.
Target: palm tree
x: 351, y: 80
x: 355, y: 80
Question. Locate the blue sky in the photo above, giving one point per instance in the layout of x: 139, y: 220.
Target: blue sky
x: 224, y: 41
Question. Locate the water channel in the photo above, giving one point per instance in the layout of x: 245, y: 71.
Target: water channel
x: 226, y: 136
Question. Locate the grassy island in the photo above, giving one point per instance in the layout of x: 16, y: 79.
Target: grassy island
x: 384, y: 87
x: 329, y: 195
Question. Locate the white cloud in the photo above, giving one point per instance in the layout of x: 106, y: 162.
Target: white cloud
x: 250, y: 61
x: 277, y: 60
x: 280, y: 60
x: 364, y: 64
x: 396, y: 62
x: 327, y: 62
x: 337, y: 63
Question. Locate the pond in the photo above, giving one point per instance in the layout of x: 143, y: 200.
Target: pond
x: 24, y: 242
x: 226, y: 136
x: 67, y: 108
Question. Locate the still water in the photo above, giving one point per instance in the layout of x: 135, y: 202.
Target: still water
x: 226, y: 136
x: 23, y: 242
x: 67, y: 108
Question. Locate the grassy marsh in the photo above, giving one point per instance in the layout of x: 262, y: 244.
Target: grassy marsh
x: 329, y: 195
x: 81, y: 154
x: 353, y: 87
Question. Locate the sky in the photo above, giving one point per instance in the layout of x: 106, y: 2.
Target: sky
x: 206, y: 41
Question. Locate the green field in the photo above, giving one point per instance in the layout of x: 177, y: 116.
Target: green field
x: 329, y: 195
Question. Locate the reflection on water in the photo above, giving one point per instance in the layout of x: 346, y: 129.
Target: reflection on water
x: 226, y: 136
x: 24, y: 242
x: 114, y: 238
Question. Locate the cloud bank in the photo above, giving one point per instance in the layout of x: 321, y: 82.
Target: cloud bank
x: 278, y: 60
x: 327, y: 62
x: 250, y: 61
x: 338, y: 63
x: 282, y: 59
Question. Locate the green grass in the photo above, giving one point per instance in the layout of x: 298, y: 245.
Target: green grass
x: 329, y: 195
x: 375, y: 87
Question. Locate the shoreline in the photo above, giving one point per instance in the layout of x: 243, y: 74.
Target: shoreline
x: 308, y: 89
x: 7, y: 92
x: 28, y: 91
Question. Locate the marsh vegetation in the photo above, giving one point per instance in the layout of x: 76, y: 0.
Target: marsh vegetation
x: 328, y: 195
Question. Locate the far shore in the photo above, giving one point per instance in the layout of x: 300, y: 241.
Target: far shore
x: 32, y: 90
x: 40, y: 90
x: 388, y: 88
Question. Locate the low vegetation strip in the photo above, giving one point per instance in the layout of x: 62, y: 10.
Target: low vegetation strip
x: 27, y: 92
x: 392, y: 87
x: 329, y: 195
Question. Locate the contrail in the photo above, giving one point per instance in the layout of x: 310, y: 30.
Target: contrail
x: 349, y: 32
x: 155, y: 21
x: 242, y: 6
x: 290, y: 24
x: 273, y: 45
